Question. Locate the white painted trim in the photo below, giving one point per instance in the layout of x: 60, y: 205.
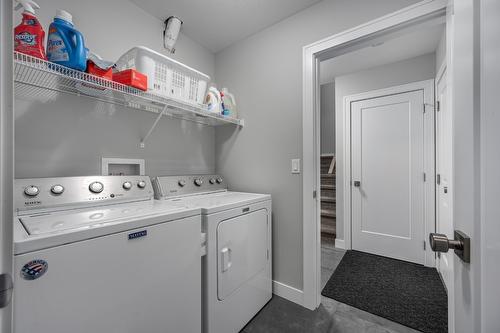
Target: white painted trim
x: 429, y: 156
x: 290, y: 293
x: 440, y: 72
x: 339, y: 243
x: 6, y: 152
x: 411, y: 15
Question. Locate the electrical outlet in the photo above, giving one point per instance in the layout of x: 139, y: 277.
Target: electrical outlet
x: 296, y: 166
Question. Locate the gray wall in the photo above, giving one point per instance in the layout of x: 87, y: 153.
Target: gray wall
x: 411, y: 70
x: 441, y: 51
x: 265, y: 73
x: 327, y: 108
x: 67, y: 135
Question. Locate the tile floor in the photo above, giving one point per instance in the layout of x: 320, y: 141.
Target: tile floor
x: 280, y: 315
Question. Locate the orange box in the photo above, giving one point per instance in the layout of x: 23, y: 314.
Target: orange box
x: 94, y: 70
x: 133, y: 78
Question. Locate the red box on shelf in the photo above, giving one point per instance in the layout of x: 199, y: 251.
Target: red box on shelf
x: 133, y: 78
x: 95, y: 70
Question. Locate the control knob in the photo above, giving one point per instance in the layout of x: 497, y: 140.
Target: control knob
x: 198, y: 181
x: 127, y: 185
x: 212, y: 181
x: 57, y: 189
x: 141, y: 184
x: 219, y: 180
x: 182, y: 183
x: 96, y: 187
x: 31, y: 191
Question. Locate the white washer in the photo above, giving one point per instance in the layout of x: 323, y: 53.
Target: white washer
x: 99, y: 254
x: 237, y: 269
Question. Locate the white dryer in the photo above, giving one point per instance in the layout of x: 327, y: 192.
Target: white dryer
x: 237, y: 269
x: 99, y: 254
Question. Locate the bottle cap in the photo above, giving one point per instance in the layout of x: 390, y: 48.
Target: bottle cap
x: 28, y: 5
x: 64, y: 15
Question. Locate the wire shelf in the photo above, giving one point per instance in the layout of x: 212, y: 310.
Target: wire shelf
x: 40, y: 79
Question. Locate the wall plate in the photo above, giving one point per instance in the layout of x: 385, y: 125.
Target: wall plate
x: 122, y: 167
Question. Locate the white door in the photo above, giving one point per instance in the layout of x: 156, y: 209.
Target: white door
x: 444, y: 223
x: 387, y: 164
x: 6, y: 157
x: 243, y: 251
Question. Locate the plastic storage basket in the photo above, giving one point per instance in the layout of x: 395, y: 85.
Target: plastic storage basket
x: 166, y: 77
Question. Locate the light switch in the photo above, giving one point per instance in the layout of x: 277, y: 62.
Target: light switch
x: 296, y: 165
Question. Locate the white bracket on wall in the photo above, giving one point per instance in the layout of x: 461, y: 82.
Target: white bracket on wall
x: 143, y: 141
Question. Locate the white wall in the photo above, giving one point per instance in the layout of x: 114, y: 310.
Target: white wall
x: 265, y: 73
x: 68, y: 135
x: 327, y: 109
x: 411, y: 70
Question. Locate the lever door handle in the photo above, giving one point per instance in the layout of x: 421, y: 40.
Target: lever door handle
x: 460, y: 244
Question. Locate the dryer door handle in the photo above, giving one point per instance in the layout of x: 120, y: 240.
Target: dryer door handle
x: 226, y: 259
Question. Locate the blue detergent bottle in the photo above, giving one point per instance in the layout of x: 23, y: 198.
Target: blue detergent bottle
x: 65, y: 45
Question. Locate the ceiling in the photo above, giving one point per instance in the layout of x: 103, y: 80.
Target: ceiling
x: 216, y: 24
x: 422, y: 41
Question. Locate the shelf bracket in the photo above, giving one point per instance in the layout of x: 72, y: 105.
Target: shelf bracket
x: 143, y: 141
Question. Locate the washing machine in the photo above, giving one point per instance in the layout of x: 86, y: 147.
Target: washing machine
x: 99, y: 254
x: 237, y: 267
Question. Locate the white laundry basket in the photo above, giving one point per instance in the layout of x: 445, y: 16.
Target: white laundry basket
x: 166, y: 77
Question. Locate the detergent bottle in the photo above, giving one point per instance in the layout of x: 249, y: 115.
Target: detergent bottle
x: 229, y: 104
x: 213, y: 100
x: 65, y: 45
x: 29, y: 36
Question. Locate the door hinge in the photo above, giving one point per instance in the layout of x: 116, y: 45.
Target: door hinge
x: 425, y: 245
x: 425, y: 177
x: 438, y: 179
x: 6, y: 287
x: 438, y: 106
x: 424, y: 107
x: 315, y: 194
x: 267, y: 254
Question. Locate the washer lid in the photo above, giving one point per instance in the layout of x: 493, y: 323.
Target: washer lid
x: 42, y: 224
x: 216, y: 202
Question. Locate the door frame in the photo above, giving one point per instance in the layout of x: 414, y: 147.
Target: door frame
x: 424, y: 12
x: 443, y: 70
x: 6, y: 152
x: 429, y: 226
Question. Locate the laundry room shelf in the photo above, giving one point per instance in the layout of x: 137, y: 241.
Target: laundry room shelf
x: 39, y: 79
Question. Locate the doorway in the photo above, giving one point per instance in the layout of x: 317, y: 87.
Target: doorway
x: 384, y: 107
x: 371, y: 35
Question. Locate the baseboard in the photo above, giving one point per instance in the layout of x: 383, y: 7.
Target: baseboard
x: 339, y: 243
x: 287, y: 292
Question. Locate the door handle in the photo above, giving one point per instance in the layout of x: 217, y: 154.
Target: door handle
x: 460, y: 244
x: 226, y: 259
x: 357, y: 183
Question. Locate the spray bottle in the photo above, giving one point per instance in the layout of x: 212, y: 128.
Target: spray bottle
x: 29, y: 37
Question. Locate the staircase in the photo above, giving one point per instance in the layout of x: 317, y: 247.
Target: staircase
x: 328, y: 198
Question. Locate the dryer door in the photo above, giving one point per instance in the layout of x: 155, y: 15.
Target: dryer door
x: 242, y: 250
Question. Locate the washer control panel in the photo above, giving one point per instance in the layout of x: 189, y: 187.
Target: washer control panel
x: 172, y: 186
x: 67, y: 191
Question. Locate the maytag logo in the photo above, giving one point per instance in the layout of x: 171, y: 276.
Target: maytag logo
x: 138, y: 234
x: 32, y: 203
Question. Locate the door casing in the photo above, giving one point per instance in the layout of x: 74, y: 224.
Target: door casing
x: 6, y: 152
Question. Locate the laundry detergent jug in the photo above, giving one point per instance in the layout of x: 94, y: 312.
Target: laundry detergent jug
x: 65, y: 45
